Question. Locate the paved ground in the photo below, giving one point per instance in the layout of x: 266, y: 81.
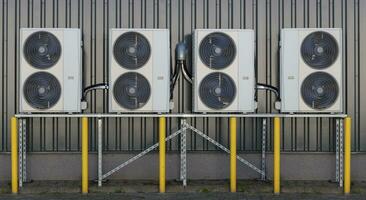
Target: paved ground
x: 177, y: 196
x: 113, y: 190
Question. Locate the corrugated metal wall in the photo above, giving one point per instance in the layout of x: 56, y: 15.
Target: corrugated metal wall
x: 266, y: 17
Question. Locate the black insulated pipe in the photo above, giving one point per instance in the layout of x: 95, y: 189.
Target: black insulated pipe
x: 99, y: 86
x: 261, y: 86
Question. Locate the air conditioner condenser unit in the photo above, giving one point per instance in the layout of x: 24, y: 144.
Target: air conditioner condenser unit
x: 223, y: 71
x: 311, y: 70
x: 139, y: 70
x: 50, y: 70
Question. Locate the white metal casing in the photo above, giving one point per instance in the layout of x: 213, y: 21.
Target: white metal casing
x: 241, y: 70
x: 156, y: 71
x: 294, y: 70
x: 68, y: 70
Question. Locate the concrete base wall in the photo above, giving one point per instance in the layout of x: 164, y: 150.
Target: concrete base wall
x: 200, y: 165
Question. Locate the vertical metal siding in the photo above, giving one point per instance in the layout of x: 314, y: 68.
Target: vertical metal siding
x: 266, y: 17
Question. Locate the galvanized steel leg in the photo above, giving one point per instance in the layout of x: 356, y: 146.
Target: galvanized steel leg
x: 264, y: 133
x: 337, y: 150
x: 341, y: 153
x: 100, y: 149
x: 20, y: 146
x: 24, y: 150
x: 183, y: 154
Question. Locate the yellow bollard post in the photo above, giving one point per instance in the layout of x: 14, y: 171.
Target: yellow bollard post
x: 232, y: 154
x: 162, y: 135
x: 84, y: 156
x: 347, y: 155
x: 276, y: 155
x: 14, y: 156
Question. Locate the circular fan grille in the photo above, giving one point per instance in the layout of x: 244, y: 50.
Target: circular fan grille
x: 42, y: 90
x: 217, y: 90
x: 42, y: 50
x: 131, y: 90
x: 319, y: 50
x: 217, y: 50
x: 319, y: 90
x: 131, y: 50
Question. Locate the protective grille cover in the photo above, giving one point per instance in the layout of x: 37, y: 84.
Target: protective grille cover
x: 42, y: 90
x: 319, y: 90
x: 131, y: 90
x: 131, y: 50
x: 217, y: 50
x: 42, y: 50
x: 319, y: 50
x: 217, y: 90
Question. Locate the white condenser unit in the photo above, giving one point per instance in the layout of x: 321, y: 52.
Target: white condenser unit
x: 50, y: 70
x: 139, y: 70
x: 311, y: 70
x: 223, y: 71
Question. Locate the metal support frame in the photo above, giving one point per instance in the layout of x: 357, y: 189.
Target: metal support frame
x: 341, y: 153
x: 129, y: 161
x: 220, y: 146
x: 22, y: 143
x: 184, y: 127
x: 100, y: 152
x: 264, y: 137
x: 181, y: 115
x: 24, y: 150
x: 20, y: 154
x: 337, y: 150
x: 183, y: 153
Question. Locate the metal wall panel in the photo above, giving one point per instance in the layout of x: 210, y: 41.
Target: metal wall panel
x: 266, y: 17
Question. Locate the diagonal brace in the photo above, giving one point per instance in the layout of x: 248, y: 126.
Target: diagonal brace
x: 142, y: 153
x: 224, y: 148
